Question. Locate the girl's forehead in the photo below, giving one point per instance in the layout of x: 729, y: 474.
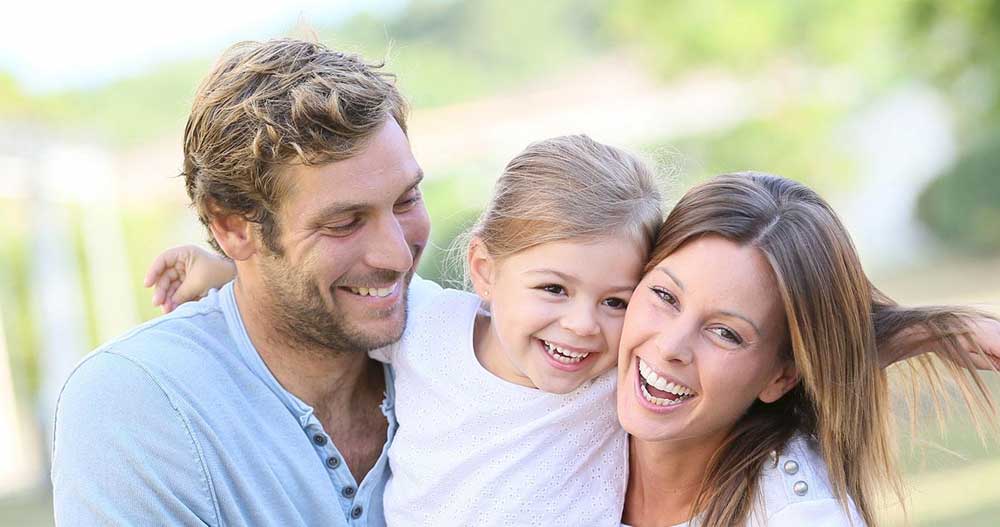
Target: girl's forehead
x: 617, y: 260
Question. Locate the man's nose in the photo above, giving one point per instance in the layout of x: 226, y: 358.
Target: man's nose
x: 387, y: 247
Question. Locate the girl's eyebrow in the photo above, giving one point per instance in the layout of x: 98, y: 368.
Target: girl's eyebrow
x: 575, y: 280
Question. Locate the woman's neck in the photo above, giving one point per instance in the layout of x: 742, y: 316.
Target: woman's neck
x: 664, y: 479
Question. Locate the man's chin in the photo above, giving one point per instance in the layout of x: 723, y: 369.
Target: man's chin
x: 381, y: 333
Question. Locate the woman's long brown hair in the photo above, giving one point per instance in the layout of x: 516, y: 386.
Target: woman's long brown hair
x: 839, y: 326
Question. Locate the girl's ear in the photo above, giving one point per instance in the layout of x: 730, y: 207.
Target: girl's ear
x: 784, y: 379
x: 482, y: 268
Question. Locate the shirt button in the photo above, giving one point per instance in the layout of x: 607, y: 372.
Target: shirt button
x: 348, y: 492
x: 319, y: 439
x: 333, y: 462
x: 356, y: 512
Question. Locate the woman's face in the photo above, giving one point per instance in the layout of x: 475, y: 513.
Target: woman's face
x: 701, y: 343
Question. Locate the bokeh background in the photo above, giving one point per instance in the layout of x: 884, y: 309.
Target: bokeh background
x: 889, y: 108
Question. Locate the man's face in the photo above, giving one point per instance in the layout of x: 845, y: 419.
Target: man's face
x: 351, y: 232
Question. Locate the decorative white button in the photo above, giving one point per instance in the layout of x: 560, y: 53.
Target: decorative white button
x: 800, y: 488
x: 791, y: 467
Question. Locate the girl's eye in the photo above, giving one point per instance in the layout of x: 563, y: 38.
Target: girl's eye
x: 555, y: 289
x: 664, y: 295
x: 615, y: 303
x: 728, y: 335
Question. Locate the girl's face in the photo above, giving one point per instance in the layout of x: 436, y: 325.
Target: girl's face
x: 556, y: 309
x: 701, y: 343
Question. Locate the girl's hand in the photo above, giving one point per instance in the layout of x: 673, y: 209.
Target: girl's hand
x: 186, y: 273
x: 986, y: 331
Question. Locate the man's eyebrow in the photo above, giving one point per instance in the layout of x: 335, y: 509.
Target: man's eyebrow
x: 672, y: 277
x: 338, y: 209
x: 417, y: 180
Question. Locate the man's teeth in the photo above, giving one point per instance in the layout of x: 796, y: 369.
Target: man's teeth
x: 660, y: 383
x: 564, y: 355
x: 380, y: 292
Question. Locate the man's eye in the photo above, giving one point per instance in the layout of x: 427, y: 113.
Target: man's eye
x: 343, y: 228
x: 664, y: 295
x: 408, y: 203
x: 555, y: 289
x: 615, y: 303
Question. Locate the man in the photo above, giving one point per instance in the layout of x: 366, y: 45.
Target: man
x: 259, y: 405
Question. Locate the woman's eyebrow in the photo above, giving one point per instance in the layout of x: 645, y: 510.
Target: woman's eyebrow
x: 741, y: 317
x: 672, y: 276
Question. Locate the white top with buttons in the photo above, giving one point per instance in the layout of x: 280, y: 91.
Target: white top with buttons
x: 796, y: 491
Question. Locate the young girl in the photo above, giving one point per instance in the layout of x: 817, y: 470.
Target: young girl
x: 505, y: 398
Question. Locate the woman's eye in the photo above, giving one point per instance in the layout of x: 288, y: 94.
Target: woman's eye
x: 664, y: 295
x: 728, y: 335
x: 553, y: 288
x: 615, y: 303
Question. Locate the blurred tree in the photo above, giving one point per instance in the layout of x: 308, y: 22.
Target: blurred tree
x: 959, y: 43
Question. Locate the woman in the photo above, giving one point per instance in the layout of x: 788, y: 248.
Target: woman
x: 750, y: 378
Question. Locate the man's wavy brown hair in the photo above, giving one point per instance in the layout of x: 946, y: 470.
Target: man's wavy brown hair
x: 267, y: 105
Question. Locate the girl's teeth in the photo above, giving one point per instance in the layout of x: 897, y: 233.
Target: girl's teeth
x: 563, y: 355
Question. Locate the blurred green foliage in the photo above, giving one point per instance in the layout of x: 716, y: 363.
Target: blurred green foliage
x: 963, y: 205
x: 783, y: 143
x: 442, y: 51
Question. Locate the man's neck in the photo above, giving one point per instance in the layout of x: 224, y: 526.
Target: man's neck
x: 664, y: 480
x: 323, y: 378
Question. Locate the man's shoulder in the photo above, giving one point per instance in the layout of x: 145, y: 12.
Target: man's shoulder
x: 192, y: 331
x: 183, y: 345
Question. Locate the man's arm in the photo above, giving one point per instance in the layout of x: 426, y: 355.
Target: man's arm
x: 123, y: 453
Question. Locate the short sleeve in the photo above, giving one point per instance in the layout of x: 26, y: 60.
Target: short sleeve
x: 816, y: 513
x: 123, y: 453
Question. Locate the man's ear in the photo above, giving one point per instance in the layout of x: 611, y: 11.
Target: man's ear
x: 785, y: 378
x: 482, y: 268
x: 234, y: 234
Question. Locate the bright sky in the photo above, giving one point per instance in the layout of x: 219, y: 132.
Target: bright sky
x: 52, y: 45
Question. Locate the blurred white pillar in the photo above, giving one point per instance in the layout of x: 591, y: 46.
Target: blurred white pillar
x: 94, y: 188
x: 900, y: 142
x: 58, y: 305
x: 17, y: 469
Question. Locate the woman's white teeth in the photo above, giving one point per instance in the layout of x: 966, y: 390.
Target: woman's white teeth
x: 380, y: 292
x: 564, y: 355
x: 660, y: 383
x: 658, y: 401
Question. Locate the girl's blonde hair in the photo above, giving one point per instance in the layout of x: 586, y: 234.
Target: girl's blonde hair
x: 569, y: 187
x: 839, y: 329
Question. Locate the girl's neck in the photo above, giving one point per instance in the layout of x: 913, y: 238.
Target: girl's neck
x: 489, y: 352
x: 664, y: 479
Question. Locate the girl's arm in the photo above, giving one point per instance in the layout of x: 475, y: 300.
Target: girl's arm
x: 186, y: 273
x: 980, y: 330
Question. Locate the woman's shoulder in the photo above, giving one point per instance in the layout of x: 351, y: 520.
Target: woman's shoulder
x: 795, y: 490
